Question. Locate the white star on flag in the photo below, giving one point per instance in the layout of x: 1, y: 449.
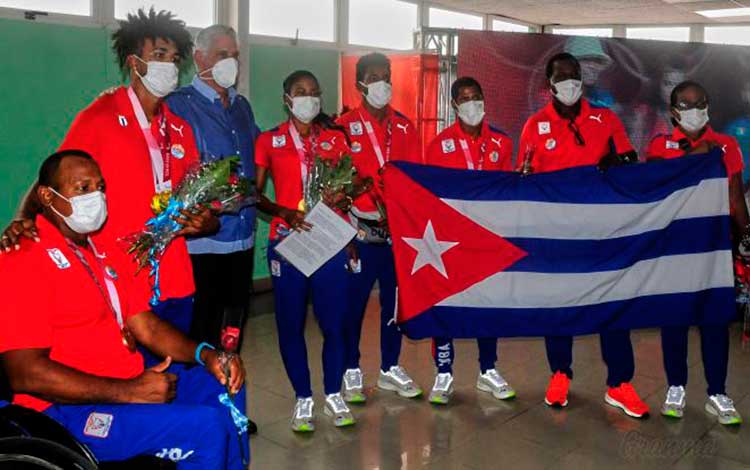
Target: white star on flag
x: 429, y: 250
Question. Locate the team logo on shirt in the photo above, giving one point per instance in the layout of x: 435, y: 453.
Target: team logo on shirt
x: 550, y: 144
x: 98, y: 425
x: 326, y: 146
x: 597, y: 118
x: 543, y: 127
x: 278, y: 141
x: 494, y: 156
x: 403, y: 127
x: 356, y: 147
x: 497, y: 142
x: 122, y: 120
x: 178, y: 151
x: 177, y: 129
x: 59, y: 258
x: 449, y: 145
x: 672, y: 145
x: 355, y: 128
x: 275, y: 268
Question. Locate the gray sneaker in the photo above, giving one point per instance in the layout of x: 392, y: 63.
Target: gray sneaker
x: 337, y: 409
x: 397, y: 380
x: 302, y: 419
x: 723, y: 408
x: 674, y: 404
x: 352, y: 386
x: 442, y: 390
x: 494, y: 383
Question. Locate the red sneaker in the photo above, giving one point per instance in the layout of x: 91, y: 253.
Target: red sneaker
x: 557, y: 390
x: 625, y: 398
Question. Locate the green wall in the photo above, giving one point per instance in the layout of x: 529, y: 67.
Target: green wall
x: 53, y: 71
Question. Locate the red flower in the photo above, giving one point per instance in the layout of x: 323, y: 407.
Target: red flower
x: 234, y: 180
x: 216, y: 205
x: 230, y: 338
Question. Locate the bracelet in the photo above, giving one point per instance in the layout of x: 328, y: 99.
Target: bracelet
x: 198, y: 351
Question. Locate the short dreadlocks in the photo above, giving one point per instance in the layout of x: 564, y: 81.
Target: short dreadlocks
x: 144, y: 25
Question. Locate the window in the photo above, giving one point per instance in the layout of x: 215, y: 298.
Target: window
x: 197, y: 13
x: 678, y: 34
x: 595, y: 32
x: 499, y: 25
x: 440, y: 18
x: 727, y: 35
x: 68, y: 7
x: 313, y: 20
x: 367, y: 17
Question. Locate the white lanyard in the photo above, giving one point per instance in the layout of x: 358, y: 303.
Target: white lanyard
x: 161, y: 183
x: 468, y: 158
x: 382, y: 160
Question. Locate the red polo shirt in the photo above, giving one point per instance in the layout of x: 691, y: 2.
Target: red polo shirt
x: 667, y: 146
x: 404, y: 147
x: 553, y: 143
x: 51, y: 302
x: 108, y: 129
x: 275, y: 150
x: 453, y: 148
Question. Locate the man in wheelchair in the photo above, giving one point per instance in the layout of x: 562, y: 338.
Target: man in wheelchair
x: 69, y: 325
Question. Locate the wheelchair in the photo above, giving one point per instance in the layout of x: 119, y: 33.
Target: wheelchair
x: 33, y: 441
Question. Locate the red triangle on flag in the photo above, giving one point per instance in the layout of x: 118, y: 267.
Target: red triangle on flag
x: 439, y: 251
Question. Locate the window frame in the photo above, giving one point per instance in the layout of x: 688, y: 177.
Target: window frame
x: 669, y: 26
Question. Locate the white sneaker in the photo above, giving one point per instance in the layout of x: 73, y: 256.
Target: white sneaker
x: 352, y: 387
x: 723, y: 408
x: 494, y: 383
x: 302, y: 418
x: 337, y: 409
x: 442, y: 390
x: 674, y: 404
x: 397, y: 380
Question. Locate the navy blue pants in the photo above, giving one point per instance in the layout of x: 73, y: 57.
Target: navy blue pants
x: 195, y: 430
x: 329, y: 288
x: 714, y: 351
x: 377, y: 264
x: 444, y: 353
x: 617, y: 352
x: 177, y: 312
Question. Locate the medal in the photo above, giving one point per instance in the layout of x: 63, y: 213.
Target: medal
x: 127, y: 338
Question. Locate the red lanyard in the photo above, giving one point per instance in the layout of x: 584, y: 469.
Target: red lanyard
x: 305, y: 157
x: 165, y: 146
x: 382, y: 159
x: 467, y: 154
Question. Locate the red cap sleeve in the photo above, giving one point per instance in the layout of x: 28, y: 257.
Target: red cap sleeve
x: 262, y: 155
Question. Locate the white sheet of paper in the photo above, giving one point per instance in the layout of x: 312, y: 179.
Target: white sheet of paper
x: 308, y: 251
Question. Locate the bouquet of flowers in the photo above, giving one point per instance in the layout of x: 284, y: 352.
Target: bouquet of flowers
x: 328, y: 177
x: 216, y: 185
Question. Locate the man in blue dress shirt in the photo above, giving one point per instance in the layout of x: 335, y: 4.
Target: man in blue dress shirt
x: 224, y: 126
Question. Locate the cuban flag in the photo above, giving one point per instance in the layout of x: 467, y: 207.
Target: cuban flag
x: 577, y: 251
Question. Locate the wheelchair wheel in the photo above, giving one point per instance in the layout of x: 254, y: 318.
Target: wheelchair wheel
x: 31, y: 453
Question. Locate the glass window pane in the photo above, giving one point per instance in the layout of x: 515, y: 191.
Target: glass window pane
x: 440, y: 18
x: 727, y: 35
x: 197, y: 13
x: 596, y: 32
x: 68, y: 7
x: 283, y: 18
x: 679, y: 34
x: 367, y: 17
x: 499, y: 25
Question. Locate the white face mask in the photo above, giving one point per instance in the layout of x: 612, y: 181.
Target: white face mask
x: 305, y: 108
x: 568, y: 92
x: 378, y: 93
x: 471, y: 112
x: 161, y: 77
x: 224, y: 72
x: 693, y: 120
x: 89, y: 212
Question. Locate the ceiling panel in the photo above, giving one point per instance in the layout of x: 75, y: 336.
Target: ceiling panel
x: 588, y: 12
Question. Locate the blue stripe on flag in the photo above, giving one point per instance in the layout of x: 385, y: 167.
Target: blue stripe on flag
x: 712, y: 306
x: 620, y: 185
x: 684, y: 236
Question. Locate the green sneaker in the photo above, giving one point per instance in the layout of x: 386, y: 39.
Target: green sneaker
x: 337, y: 409
x: 494, y: 383
x: 442, y: 390
x: 351, y: 389
x: 723, y: 408
x: 302, y: 419
x: 674, y: 404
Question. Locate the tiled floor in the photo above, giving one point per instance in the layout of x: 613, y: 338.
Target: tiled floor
x: 477, y: 432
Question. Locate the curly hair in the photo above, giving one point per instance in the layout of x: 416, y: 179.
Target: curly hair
x: 142, y: 25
